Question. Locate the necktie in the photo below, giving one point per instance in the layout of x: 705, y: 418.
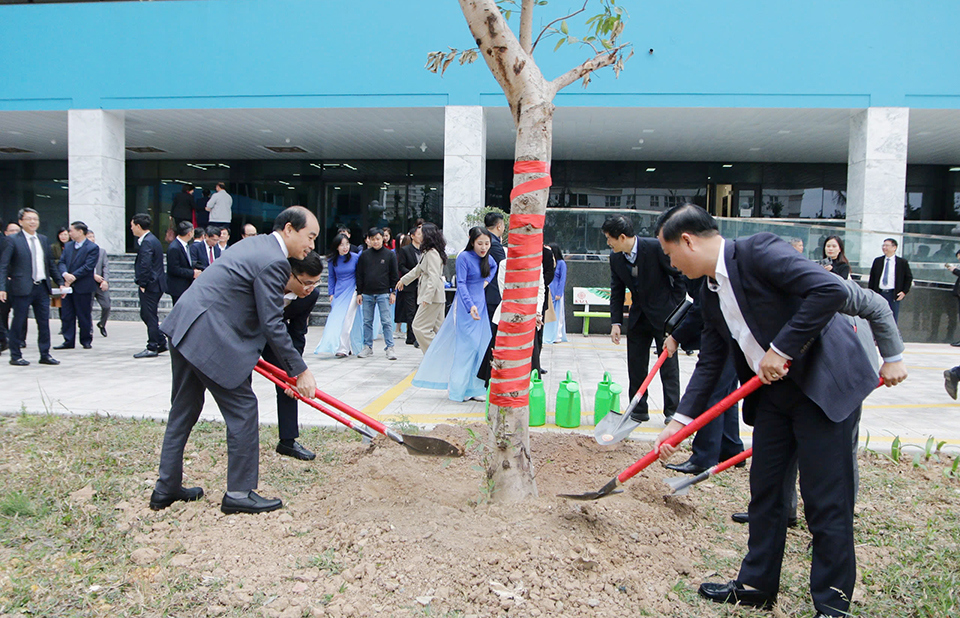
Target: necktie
x: 33, y: 256
x: 886, y: 273
x: 211, y: 254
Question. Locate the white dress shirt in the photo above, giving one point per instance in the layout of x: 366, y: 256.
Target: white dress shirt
x: 283, y: 245
x: 36, y: 249
x: 891, y: 265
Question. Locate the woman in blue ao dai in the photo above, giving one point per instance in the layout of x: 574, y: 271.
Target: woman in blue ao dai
x: 453, y: 358
x: 343, y: 330
x: 556, y: 331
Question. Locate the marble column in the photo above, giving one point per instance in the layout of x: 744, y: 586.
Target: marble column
x: 876, y: 179
x: 97, y: 169
x: 464, y: 170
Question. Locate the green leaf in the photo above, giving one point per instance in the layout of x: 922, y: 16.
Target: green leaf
x: 560, y: 43
x: 564, y: 28
x: 607, y: 44
x: 507, y: 14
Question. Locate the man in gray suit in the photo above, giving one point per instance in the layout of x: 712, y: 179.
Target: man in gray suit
x: 239, y: 297
x: 101, y: 274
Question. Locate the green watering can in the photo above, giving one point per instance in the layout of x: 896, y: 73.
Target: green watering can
x: 607, y: 398
x: 538, y: 401
x: 568, y: 403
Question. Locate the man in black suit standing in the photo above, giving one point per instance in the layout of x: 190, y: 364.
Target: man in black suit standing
x: 775, y: 313
x: 638, y: 264
x: 204, y: 253
x: 184, y: 205
x: 240, y: 297
x: 890, y: 276
x: 77, y: 265
x: 493, y: 221
x: 299, y: 299
x: 180, y: 272
x: 407, y: 259
x: 28, y: 263
x: 148, y: 273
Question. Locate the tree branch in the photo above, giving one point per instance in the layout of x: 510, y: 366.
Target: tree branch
x: 547, y: 27
x: 603, y: 59
x: 526, y: 25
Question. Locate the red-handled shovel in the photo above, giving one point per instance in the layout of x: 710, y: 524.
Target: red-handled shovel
x: 349, y: 422
x: 753, y: 384
x: 680, y: 486
x: 415, y: 445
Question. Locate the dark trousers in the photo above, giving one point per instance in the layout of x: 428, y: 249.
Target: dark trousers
x: 789, y: 423
x: 639, y: 339
x: 287, y: 423
x: 103, y: 299
x: 149, y: 303
x: 719, y: 439
x: 239, y: 409
x: 77, y: 309
x: 39, y: 299
x: 891, y: 297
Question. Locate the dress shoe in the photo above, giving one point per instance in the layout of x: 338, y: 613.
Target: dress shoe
x: 744, y: 518
x: 543, y: 372
x: 19, y: 362
x: 687, y: 467
x: 148, y: 353
x: 295, y: 450
x: 666, y: 419
x: 640, y: 417
x: 950, y: 383
x: 103, y: 329
x: 48, y: 360
x: 734, y: 592
x: 253, y: 503
x: 956, y: 344
x: 63, y: 346
x: 162, y: 349
x: 160, y: 501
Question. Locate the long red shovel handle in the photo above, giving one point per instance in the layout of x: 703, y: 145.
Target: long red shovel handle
x: 336, y: 403
x: 352, y: 424
x: 729, y: 463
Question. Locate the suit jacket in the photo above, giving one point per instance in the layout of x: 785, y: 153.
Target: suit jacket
x: 296, y: 316
x: 492, y: 292
x: 103, y: 265
x: 198, y: 254
x: 656, y: 287
x: 407, y: 260
x: 179, y: 269
x: 148, y: 267
x: 239, y: 300
x: 16, y: 263
x: 791, y: 303
x: 902, y: 277
x: 81, y: 263
x: 429, y: 272
x: 183, y: 206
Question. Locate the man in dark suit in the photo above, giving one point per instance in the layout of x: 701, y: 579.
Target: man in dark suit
x: 204, y: 253
x: 407, y: 259
x: 28, y: 263
x: 493, y: 221
x: 180, y: 272
x: 241, y: 299
x: 77, y: 264
x: 149, y: 276
x: 101, y: 274
x: 775, y: 312
x: 656, y: 289
x: 890, y: 276
x: 183, y: 205
x: 300, y: 298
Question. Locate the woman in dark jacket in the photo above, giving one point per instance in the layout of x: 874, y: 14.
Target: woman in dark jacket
x: 834, y: 259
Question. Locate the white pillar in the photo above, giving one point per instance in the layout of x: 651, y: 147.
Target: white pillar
x: 464, y: 170
x: 876, y: 178
x: 97, y: 169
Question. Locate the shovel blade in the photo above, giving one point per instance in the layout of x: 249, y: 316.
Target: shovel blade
x: 607, y: 490
x: 430, y: 447
x: 679, y: 485
x: 614, y: 427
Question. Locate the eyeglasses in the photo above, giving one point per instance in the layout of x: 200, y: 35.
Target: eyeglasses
x: 306, y: 285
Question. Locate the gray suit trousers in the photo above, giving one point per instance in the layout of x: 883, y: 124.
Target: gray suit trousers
x: 240, y: 413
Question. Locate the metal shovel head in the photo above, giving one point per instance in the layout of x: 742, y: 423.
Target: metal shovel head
x: 607, y: 490
x: 614, y: 427
x: 680, y: 485
x: 432, y: 447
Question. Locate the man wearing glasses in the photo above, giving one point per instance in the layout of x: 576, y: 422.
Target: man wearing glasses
x: 299, y: 299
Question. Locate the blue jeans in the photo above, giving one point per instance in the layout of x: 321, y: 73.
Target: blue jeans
x: 381, y: 301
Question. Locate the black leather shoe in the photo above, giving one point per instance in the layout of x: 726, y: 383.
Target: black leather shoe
x: 19, y: 362
x: 744, y: 518
x: 686, y: 467
x: 666, y: 419
x: 640, y: 417
x: 148, y: 353
x: 48, y: 360
x: 950, y: 383
x: 734, y: 592
x: 296, y: 450
x: 103, y: 329
x: 956, y: 344
x: 63, y: 346
x: 161, y: 349
x: 87, y: 346
x: 160, y: 501
x: 253, y: 503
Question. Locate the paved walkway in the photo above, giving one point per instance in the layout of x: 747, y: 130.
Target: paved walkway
x: 108, y: 380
